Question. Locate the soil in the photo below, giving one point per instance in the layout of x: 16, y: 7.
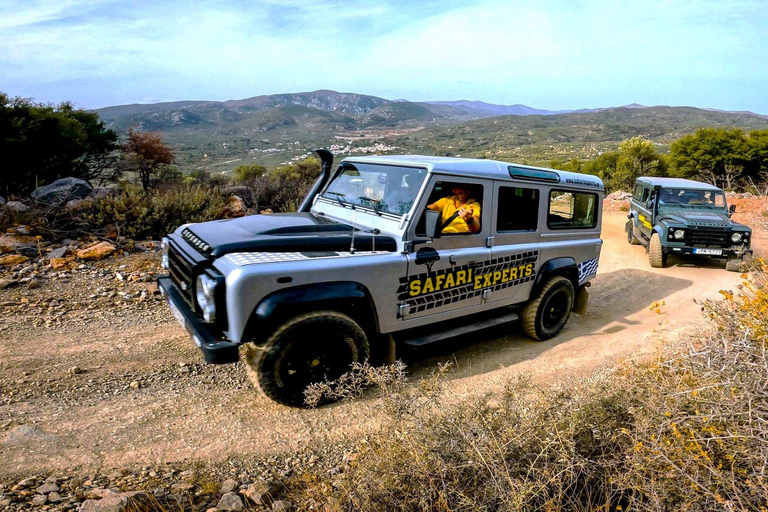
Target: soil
x: 92, y: 380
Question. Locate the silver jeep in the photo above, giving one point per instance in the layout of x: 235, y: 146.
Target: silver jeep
x: 364, y: 265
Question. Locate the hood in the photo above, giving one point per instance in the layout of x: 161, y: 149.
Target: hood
x: 280, y: 232
x: 699, y: 218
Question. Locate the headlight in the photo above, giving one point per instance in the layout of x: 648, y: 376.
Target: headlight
x: 736, y: 238
x: 166, y: 246
x: 679, y: 234
x: 204, y: 293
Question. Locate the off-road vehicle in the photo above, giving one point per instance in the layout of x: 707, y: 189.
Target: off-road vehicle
x: 685, y: 217
x: 364, y: 264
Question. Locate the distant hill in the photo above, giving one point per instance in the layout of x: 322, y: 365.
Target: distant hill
x: 273, y: 129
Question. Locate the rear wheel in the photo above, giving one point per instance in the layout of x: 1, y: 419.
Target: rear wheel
x: 631, y: 238
x: 656, y: 255
x: 546, y: 315
x: 310, y: 348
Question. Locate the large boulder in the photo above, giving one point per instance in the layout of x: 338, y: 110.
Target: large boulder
x: 60, y: 192
x: 16, y: 207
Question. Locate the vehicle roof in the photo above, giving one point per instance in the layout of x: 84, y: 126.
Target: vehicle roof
x: 676, y: 183
x: 476, y: 167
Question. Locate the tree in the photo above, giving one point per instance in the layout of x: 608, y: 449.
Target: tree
x: 146, y: 154
x: 42, y: 143
x: 719, y: 156
x: 637, y: 157
x: 247, y: 173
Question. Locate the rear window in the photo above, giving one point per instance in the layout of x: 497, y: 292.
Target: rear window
x: 572, y: 210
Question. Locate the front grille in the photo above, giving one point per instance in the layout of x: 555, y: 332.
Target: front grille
x: 705, y: 236
x: 182, y: 273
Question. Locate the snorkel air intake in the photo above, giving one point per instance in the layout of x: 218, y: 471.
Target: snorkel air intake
x: 326, y: 157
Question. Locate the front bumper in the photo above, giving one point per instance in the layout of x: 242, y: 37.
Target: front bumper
x: 214, y: 350
x: 725, y: 252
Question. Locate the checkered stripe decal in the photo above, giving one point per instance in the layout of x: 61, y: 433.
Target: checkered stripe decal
x: 587, y: 269
x: 242, y: 259
x: 467, y: 291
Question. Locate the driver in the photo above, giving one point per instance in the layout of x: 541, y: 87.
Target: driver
x: 459, y: 212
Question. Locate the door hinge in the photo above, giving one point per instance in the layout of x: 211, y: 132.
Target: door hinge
x: 486, y: 294
x: 403, y: 309
x: 490, y: 241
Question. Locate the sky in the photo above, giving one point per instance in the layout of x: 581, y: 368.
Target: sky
x: 555, y: 55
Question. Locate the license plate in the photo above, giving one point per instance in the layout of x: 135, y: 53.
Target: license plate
x: 177, y: 314
x: 709, y: 252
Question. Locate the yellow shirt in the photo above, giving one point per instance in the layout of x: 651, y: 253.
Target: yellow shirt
x: 448, y: 205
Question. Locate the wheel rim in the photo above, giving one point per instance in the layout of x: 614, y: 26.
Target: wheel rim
x: 308, y: 361
x: 555, y: 310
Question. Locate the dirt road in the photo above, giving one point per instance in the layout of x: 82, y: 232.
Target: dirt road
x: 94, y: 381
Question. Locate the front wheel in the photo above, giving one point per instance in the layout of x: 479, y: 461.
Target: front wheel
x: 546, y: 315
x: 656, y: 255
x: 310, y: 348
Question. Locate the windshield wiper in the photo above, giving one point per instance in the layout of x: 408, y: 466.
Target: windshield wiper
x: 375, y: 203
x: 340, y: 198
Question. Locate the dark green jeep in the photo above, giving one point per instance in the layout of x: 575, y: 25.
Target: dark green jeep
x: 676, y: 216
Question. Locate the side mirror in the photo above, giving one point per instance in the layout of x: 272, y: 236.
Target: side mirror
x: 432, y: 224
x: 732, y: 208
x: 649, y: 203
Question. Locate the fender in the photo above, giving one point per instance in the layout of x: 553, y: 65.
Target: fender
x: 565, y: 267
x: 349, y: 297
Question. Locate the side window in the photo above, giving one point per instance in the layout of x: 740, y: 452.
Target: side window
x: 646, y: 194
x: 518, y: 209
x: 572, y: 210
x: 638, y: 194
x: 459, y: 205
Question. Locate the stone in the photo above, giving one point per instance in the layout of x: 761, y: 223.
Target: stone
x: 60, y: 192
x: 33, y: 283
x: 263, y: 492
x: 243, y: 192
x: 16, y: 207
x: 75, y: 370
x: 76, y: 205
x: 96, y: 251
x: 235, y: 206
x: 115, y: 502
x: 23, y: 435
x: 618, y: 196
x: 54, y: 497
x: 57, y: 253
x: 2, y: 201
x: 103, y: 192
x: 230, y: 501
x: 22, y: 230
x: 40, y: 499
x: 29, y: 252
x: 747, y: 195
x: 61, y: 263
x: 136, y: 385
x: 282, y: 506
x: 46, y: 488
x: 229, y: 485
x: 10, y: 242
x: 10, y: 260
x: 7, y: 283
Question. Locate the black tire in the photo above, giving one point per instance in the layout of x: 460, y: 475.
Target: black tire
x: 631, y: 238
x: 546, y: 315
x: 310, y: 348
x: 734, y: 264
x: 656, y: 255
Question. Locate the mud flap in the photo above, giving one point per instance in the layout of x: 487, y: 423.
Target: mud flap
x: 580, y: 303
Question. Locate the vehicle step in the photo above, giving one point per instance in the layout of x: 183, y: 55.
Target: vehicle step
x: 420, y: 340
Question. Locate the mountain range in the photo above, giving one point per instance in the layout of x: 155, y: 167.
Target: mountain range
x: 272, y: 129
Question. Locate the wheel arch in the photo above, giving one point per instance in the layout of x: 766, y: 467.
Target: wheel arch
x: 564, y: 266
x: 348, y: 297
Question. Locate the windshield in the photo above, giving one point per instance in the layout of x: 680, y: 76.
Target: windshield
x: 680, y: 197
x: 382, y: 188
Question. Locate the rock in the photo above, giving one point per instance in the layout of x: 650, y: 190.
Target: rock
x: 28, y: 482
x: 136, y: 385
x: 618, y: 196
x: 243, y: 192
x: 747, y: 195
x: 235, y: 206
x: 22, y: 230
x: 116, y: 502
x: 54, y: 497
x: 16, y: 207
x: 76, y: 205
x: 25, y: 434
x: 10, y: 260
x: 75, y: 370
x: 29, y: 252
x: 230, y: 501
x: 11, y: 242
x: 229, y: 485
x: 46, y: 488
x: 33, y: 283
x: 62, y: 191
x: 103, y: 192
x: 61, y: 263
x: 96, y: 251
x: 57, y: 253
x: 40, y: 499
x: 263, y: 492
x: 282, y: 505
x: 2, y: 201
x: 7, y: 283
